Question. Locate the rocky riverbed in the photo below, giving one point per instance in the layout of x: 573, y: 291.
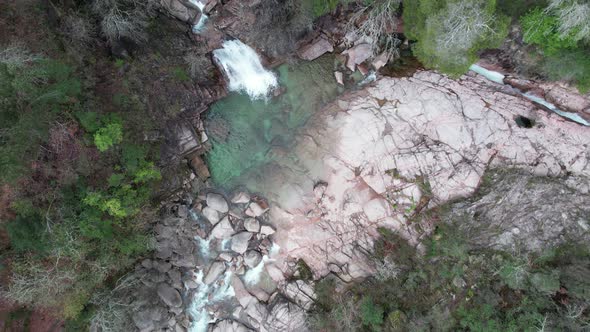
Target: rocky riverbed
x: 374, y: 157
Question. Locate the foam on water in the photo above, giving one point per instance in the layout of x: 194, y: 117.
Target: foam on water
x: 244, y: 70
x: 207, y: 295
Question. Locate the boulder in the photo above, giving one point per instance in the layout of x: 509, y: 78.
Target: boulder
x: 252, y: 258
x: 301, y: 293
x: 169, y: 295
x: 211, y: 214
x: 241, y: 294
x: 215, y: 271
x: 182, y: 12
x: 239, y: 242
x: 217, y: 202
x: 252, y: 225
x: 315, y: 49
x: 339, y: 77
x: 266, y: 230
x: 285, y: 316
x: 357, y: 55
x: 229, y: 326
x: 143, y: 320
x: 567, y: 99
x: 162, y: 266
x: 240, y: 198
x: 256, y: 210
x: 223, y: 230
x: 380, y: 61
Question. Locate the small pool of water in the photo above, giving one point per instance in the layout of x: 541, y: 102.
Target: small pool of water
x: 245, y: 134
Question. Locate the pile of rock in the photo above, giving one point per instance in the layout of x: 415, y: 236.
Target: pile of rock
x: 240, y: 239
x: 214, y: 264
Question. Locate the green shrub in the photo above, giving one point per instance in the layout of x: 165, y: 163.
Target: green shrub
x: 450, y: 33
x: 371, y: 314
x: 107, y: 136
x: 541, y: 29
x: 321, y: 7
x: 518, y: 8
x: 569, y: 65
x: 180, y: 74
x: 27, y: 233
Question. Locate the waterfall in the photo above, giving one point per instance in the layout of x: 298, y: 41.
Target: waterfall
x: 198, y: 27
x: 499, y: 78
x: 243, y: 69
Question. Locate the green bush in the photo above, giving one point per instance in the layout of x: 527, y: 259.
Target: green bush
x: 371, y: 314
x: 450, y: 33
x: 467, y: 290
x: 33, y: 94
x: 108, y: 136
x: 569, y: 65
x: 27, y: 233
x: 541, y: 29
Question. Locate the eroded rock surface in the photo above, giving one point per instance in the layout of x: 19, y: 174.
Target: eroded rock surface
x: 521, y: 213
x: 400, y: 146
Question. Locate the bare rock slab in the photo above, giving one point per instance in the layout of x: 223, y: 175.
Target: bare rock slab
x: 169, y: 295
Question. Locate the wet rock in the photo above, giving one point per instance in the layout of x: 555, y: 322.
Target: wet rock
x: 181, y: 11
x: 252, y: 225
x: 217, y: 202
x: 252, y: 258
x: 357, y: 55
x: 242, y: 295
x: 225, y: 256
x: 190, y: 284
x: 240, y: 198
x: 239, y: 242
x: 215, y: 271
x: 211, y: 214
x: 315, y: 49
x: 223, y: 230
x: 169, y: 295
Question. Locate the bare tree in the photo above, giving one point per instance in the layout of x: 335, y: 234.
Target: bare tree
x: 15, y: 56
x: 465, y: 23
x: 124, y: 18
x: 377, y: 24
x: 77, y: 30
x: 574, y: 18
x: 114, y: 307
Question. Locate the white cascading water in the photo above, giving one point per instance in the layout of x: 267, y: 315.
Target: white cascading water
x: 198, y: 27
x: 253, y: 275
x: 244, y: 70
x: 207, y: 295
x: 499, y: 78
